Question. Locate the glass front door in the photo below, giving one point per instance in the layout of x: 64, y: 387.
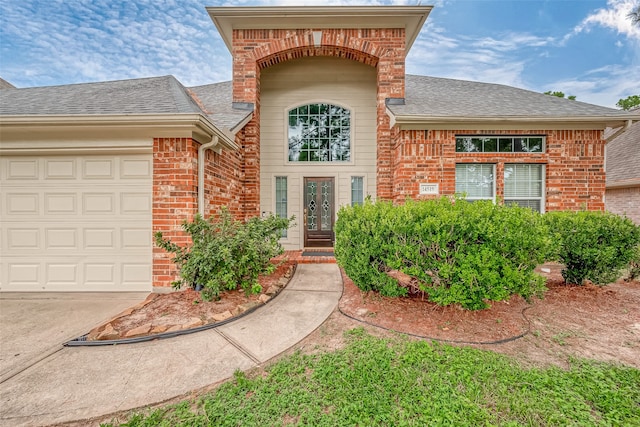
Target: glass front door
x: 319, y: 212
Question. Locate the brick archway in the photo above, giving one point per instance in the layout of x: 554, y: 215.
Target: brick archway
x: 339, y: 44
x: 254, y: 50
x: 307, y: 51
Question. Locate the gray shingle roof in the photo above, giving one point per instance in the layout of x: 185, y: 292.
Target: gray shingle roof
x: 425, y: 97
x: 155, y: 95
x: 623, y: 158
x: 217, y: 101
x: 440, y: 97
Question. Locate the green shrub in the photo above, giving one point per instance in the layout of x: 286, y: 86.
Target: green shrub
x: 634, y: 265
x: 225, y: 253
x: 459, y: 252
x: 593, y: 245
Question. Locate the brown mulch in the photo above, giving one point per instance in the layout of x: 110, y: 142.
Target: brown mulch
x: 597, y: 322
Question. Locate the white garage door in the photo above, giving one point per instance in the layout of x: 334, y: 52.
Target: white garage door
x: 76, y: 223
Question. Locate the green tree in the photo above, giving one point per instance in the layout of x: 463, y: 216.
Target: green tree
x: 629, y: 102
x: 560, y: 95
x: 635, y: 15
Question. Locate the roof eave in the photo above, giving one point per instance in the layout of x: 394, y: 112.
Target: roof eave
x: 468, y: 122
x: 199, y: 126
x: 624, y: 183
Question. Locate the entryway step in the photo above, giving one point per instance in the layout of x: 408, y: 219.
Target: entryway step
x: 311, y: 256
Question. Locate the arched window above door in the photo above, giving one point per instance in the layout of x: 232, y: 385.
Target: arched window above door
x: 319, y: 132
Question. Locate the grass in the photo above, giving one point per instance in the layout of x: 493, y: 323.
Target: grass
x: 400, y: 382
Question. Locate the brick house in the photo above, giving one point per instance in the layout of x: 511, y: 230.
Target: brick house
x: 319, y: 114
x: 622, y: 165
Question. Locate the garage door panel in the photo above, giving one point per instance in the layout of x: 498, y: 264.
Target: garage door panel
x: 136, y: 168
x: 21, y: 239
x: 136, y: 238
x: 61, y: 274
x: 99, y: 275
x: 24, y: 273
x: 22, y: 169
x: 76, y: 223
x: 98, y: 169
x: 135, y: 273
x: 60, y: 203
x: 61, y: 238
x: 98, y: 203
x: 135, y: 203
x: 22, y: 203
x: 99, y: 238
x: 60, y: 169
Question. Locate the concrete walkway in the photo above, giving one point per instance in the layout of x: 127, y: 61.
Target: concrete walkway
x: 71, y: 383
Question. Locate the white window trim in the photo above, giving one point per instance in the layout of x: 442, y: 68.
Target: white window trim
x: 352, y: 134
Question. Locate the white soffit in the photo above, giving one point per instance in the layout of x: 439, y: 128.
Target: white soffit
x: 227, y: 19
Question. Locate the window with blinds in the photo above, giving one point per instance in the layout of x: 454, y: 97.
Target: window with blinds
x: 476, y: 181
x: 524, y: 185
x: 357, y: 190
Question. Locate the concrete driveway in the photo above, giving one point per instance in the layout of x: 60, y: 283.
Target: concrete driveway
x: 47, y: 384
x: 34, y: 325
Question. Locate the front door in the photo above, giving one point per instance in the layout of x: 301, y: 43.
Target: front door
x: 319, y: 212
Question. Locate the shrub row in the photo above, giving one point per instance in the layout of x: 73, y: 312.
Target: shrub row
x: 226, y: 253
x: 465, y: 253
x: 593, y: 246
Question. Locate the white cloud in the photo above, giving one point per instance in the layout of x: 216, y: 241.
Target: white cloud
x: 603, y: 86
x: 485, y: 59
x: 614, y: 17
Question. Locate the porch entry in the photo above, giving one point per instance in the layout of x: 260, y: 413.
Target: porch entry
x: 319, y: 212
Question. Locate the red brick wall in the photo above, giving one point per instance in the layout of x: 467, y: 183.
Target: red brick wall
x: 175, y: 198
x: 257, y: 49
x: 223, y: 183
x: 175, y: 193
x: 624, y: 201
x: 574, y: 162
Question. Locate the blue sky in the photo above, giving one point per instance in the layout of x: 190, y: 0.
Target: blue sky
x: 586, y: 48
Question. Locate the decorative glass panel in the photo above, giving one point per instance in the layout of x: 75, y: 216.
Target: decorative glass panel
x: 326, y: 214
x: 281, y: 199
x: 312, y: 206
x: 319, y: 133
x: 475, y: 180
x: 357, y: 190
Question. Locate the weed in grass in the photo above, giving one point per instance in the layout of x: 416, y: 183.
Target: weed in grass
x: 400, y: 382
x: 560, y: 338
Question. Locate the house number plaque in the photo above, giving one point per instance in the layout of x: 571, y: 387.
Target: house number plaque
x: 429, y: 188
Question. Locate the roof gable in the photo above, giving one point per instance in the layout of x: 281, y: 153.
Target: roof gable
x: 227, y: 19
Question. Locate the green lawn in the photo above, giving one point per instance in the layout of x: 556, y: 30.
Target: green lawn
x: 399, y: 382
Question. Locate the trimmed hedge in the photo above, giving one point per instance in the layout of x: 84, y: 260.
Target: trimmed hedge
x: 460, y: 252
x: 593, y: 245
